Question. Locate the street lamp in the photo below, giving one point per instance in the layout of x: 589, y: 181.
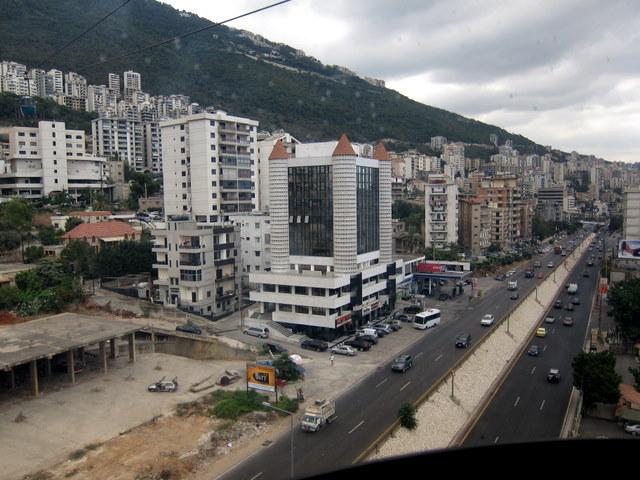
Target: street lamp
x: 268, y: 405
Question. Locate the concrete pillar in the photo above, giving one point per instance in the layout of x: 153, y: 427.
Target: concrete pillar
x: 71, y: 363
x: 153, y: 341
x: 103, y: 356
x: 12, y: 375
x: 112, y: 345
x: 132, y: 347
x: 33, y: 368
x: 48, y: 367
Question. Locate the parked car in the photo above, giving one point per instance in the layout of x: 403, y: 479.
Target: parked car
x: 487, y: 320
x: 189, y: 329
x: 313, y: 344
x: 443, y: 297
x: 276, y: 348
x: 359, y: 344
x: 412, y: 309
x: 163, y: 385
x: 344, y: 350
x: 567, y: 321
x: 402, y: 363
x: 395, y: 325
x: 553, y: 375
x: 262, y: 332
x: 534, y: 350
x: 403, y: 317
x: 632, y: 428
x: 385, y: 327
x: 369, y: 338
x: 463, y: 340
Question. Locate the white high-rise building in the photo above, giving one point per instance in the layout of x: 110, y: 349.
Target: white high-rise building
x: 210, y: 166
x: 441, y: 212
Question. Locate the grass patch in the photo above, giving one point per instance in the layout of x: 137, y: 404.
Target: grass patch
x: 78, y: 454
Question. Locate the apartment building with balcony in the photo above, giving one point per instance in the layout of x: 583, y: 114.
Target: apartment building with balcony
x: 46, y: 159
x: 209, y: 163
x: 441, y: 212
x: 474, y: 226
x: 196, y: 266
x: 331, y: 239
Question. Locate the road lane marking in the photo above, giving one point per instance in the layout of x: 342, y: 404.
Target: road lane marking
x: 356, y: 427
x: 439, y: 356
x: 378, y: 385
x: 516, y: 403
x: 405, y: 386
x: 533, y: 370
x: 542, y: 405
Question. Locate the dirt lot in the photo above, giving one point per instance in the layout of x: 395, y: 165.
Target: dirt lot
x: 192, y: 446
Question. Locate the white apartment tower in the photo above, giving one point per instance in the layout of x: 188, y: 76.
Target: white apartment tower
x: 209, y: 164
x: 441, y: 212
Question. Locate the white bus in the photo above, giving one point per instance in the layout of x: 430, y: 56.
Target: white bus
x: 427, y: 319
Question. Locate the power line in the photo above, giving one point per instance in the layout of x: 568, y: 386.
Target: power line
x: 164, y: 42
x: 83, y: 33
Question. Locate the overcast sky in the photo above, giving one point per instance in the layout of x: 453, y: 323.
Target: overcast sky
x: 564, y: 73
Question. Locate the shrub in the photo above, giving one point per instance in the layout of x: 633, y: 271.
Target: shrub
x: 407, y: 416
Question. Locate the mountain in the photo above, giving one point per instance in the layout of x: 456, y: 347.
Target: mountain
x: 242, y: 73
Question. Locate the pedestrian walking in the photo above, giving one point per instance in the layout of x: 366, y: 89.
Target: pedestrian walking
x: 331, y: 358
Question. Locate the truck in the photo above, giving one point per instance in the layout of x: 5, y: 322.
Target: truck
x: 572, y: 289
x: 318, y: 415
x: 513, y: 285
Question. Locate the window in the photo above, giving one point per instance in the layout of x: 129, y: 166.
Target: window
x: 257, y: 253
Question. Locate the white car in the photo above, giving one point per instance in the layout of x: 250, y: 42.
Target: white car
x: 632, y: 428
x: 487, y: 320
x: 344, y: 350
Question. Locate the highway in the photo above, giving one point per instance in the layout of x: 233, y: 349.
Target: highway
x: 526, y: 407
x: 368, y: 409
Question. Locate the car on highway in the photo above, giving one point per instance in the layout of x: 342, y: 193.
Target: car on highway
x: 487, y: 320
x: 511, y: 272
x: 553, y: 375
x: 402, y: 363
x: 313, y: 344
x: 575, y: 301
x: 550, y: 319
x: 163, y: 385
x: 500, y: 277
x: 534, y: 350
x: 412, y: 309
x: 463, y: 340
x: 541, y: 332
x: 539, y: 275
x: 514, y: 295
x: 632, y: 428
x: 570, y: 307
x: 344, y: 350
x: 276, y: 348
x: 536, y: 264
x: 567, y: 321
x: 550, y: 264
x: 558, y: 304
x: 359, y: 344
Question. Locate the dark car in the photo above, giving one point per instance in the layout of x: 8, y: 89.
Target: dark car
x: 463, y: 340
x: 514, y: 295
x: 313, y: 344
x: 553, y: 376
x: 500, y: 277
x: 534, y: 350
x: 369, y: 338
x: 558, y: 304
x: 575, y: 301
x: 276, y: 348
x: 412, y: 309
x: 443, y: 297
x: 189, y: 329
x: 567, y: 321
x: 402, y: 363
x: 359, y: 344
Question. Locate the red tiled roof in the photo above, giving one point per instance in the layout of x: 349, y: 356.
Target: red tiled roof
x: 344, y: 147
x: 279, y: 152
x: 629, y: 393
x: 380, y: 153
x: 101, y: 230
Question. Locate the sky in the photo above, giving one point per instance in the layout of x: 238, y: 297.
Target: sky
x: 562, y: 73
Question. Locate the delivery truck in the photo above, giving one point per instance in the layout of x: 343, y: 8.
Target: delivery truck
x: 316, y: 416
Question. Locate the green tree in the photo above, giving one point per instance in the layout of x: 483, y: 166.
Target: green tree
x: 71, y: 223
x: 594, y: 374
x: 625, y: 308
x: 49, y: 235
x: 78, y: 256
x: 34, y: 252
x: 19, y: 213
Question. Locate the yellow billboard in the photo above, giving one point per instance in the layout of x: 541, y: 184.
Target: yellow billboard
x: 261, y: 377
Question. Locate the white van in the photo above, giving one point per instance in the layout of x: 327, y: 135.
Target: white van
x: 262, y: 332
x: 513, y: 285
x: 368, y: 331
